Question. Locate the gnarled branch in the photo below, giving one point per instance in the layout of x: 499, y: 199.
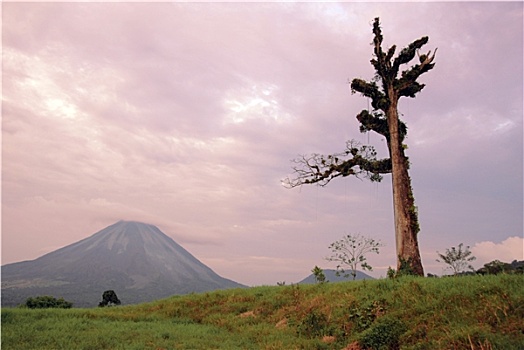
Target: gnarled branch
x: 320, y: 169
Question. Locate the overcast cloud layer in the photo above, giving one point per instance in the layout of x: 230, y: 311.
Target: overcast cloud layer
x: 186, y: 116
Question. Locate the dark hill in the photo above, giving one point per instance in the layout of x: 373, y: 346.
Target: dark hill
x: 136, y: 260
x: 331, y: 276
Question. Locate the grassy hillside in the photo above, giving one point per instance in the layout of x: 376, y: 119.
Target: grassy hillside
x: 473, y: 312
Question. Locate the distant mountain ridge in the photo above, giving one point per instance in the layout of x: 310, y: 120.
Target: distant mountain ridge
x: 331, y: 276
x: 136, y: 260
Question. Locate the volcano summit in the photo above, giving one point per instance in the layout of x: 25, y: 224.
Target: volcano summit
x: 136, y: 260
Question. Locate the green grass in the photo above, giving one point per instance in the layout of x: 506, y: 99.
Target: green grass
x: 473, y: 312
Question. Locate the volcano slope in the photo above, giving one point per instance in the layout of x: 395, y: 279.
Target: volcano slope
x: 136, y: 260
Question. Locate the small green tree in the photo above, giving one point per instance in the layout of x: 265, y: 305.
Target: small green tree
x: 46, y: 301
x: 351, y: 251
x: 319, y: 275
x: 109, y: 298
x: 457, y: 259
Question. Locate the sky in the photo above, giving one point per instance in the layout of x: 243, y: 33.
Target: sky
x: 187, y: 116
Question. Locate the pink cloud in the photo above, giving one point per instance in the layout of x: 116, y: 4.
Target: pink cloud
x: 512, y: 248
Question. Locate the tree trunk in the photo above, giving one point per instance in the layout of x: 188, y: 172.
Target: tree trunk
x: 405, y: 212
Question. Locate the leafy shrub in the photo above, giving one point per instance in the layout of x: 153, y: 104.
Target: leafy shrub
x: 46, y: 301
x: 320, y: 277
x: 363, y: 316
x: 384, y: 334
x: 313, y: 325
x: 405, y: 269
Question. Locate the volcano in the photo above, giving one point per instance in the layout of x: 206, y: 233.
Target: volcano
x: 136, y: 260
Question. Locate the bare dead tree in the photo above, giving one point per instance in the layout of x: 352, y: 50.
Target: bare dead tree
x: 358, y: 160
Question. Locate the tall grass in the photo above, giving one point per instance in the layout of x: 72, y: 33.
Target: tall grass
x: 473, y: 312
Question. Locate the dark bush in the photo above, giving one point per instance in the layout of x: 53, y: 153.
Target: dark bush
x: 43, y: 302
x: 496, y: 267
x: 384, y: 334
x: 109, y: 298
